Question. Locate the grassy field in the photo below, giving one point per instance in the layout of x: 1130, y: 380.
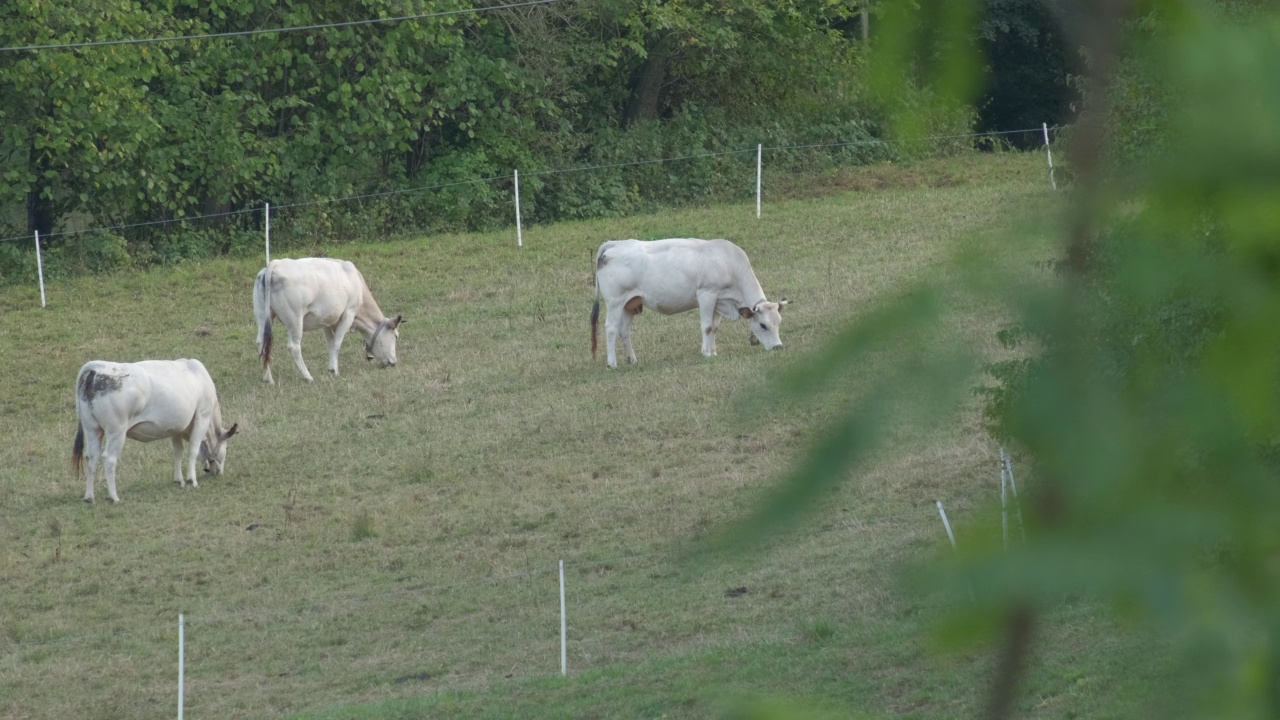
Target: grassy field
x: 384, y: 543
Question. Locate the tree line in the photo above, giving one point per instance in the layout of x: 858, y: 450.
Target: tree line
x: 121, y: 134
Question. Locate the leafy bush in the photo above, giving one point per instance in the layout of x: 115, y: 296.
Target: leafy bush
x: 1146, y: 395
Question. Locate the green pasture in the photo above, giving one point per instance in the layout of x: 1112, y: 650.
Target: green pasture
x: 384, y: 543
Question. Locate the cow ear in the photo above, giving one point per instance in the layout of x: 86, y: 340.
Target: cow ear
x: 746, y: 312
x: 782, y: 303
x: 231, y: 431
x: 396, y: 323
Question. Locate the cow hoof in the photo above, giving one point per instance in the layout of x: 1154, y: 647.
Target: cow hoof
x: 88, y: 500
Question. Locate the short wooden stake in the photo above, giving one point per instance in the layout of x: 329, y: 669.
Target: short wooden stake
x: 267, y: 211
x: 759, y: 167
x: 564, y: 628
x: 1049, y: 154
x: 181, y: 667
x: 519, y: 232
x: 40, y: 269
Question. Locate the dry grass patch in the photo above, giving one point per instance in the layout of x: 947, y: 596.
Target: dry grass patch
x: 384, y: 534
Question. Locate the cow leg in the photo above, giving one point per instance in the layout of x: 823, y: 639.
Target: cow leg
x: 294, y: 326
x: 177, y: 459
x: 198, y: 430
x: 618, y: 325
x: 334, y: 338
x: 113, y: 444
x: 630, y: 310
x: 715, y: 328
x: 710, y: 322
x: 92, y: 452
x: 624, y: 331
x: 611, y: 321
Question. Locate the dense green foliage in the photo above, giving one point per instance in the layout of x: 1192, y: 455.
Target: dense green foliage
x: 132, y: 133
x: 390, y: 536
x: 1029, y: 59
x: 424, y: 120
x: 1143, y: 382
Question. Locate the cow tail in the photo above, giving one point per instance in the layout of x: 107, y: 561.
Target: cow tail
x: 77, y: 449
x: 77, y: 446
x: 262, y: 311
x: 595, y: 307
x: 595, y: 319
x: 265, y: 351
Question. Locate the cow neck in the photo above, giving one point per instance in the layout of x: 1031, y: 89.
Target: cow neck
x: 368, y: 317
x: 215, y: 426
x: 749, y: 286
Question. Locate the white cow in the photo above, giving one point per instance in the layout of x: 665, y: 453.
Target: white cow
x: 675, y: 275
x: 148, y: 400
x: 326, y: 293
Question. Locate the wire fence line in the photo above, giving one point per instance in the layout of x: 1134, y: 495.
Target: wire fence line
x: 505, y: 178
x: 266, y: 31
x: 429, y: 637
x: 672, y: 556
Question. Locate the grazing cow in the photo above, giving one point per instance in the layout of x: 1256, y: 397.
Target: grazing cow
x: 675, y: 275
x: 326, y: 293
x: 145, y: 401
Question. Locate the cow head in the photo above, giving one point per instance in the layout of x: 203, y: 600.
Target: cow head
x: 382, y: 344
x: 765, y: 318
x: 215, y: 456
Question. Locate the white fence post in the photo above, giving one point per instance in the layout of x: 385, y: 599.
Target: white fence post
x: 268, y: 216
x: 1049, y: 154
x: 40, y: 269
x: 952, y: 537
x: 1007, y: 465
x: 180, y: 664
x: 564, y: 628
x: 946, y: 524
x: 519, y: 233
x: 759, y: 165
x: 1004, y: 508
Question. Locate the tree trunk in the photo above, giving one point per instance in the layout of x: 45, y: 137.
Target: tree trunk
x: 39, y: 213
x: 39, y: 209
x: 646, y: 82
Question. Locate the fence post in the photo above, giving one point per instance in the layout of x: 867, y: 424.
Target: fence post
x: 951, y: 536
x: 519, y: 233
x: 564, y: 628
x: 268, y: 216
x: 759, y: 165
x: 946, y: 524
x: 40, y: 269
x: 1007, y: 464
x: 1004, y: 508
x: 1049, y: 154
x: 180, y: 664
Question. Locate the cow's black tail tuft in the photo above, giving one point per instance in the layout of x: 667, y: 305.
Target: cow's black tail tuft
x: 265, y: 352
x: 77, y: 450
x: 595, y: 320
x: 262, y: 306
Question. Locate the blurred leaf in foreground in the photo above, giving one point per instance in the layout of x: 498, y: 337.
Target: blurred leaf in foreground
x: 1146, y: 396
